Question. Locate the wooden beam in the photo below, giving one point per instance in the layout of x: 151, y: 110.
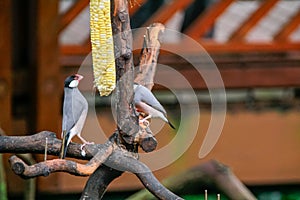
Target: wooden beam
x: 283, y: 76
x: 231, y: 47
x: 210, y: 47
x: 167, y: 11
x: 288, y: 28
x: 6, y: 65
x: 72, y: 13
x: 252, y: 20
x: 206, y: 20
x: 238, y: 71
x: 251, y: 47
x: 238, y: 77
x: 258, y: 70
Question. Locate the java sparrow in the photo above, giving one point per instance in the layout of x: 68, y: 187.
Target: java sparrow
x: 146, y: 102
x: 75, y: 109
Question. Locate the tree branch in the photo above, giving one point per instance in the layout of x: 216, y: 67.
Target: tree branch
x: 36, y: 144
x: 98, y: 182
x: 109, y: 162
x: 127, y: 120
x: 101, y: 178
x: 145, y: 75
x: 130, y: 164
x: 203, y: 176
x: 113, y: 159
x: 130, y: 134
x: 149, y: 54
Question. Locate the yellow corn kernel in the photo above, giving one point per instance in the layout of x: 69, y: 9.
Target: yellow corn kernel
x: 102, y: 46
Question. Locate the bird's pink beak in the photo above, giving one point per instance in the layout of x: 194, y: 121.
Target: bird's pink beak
x: 79, y: 77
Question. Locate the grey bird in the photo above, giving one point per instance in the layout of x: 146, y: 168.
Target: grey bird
x: 146, y: 102
x: 75, y: 109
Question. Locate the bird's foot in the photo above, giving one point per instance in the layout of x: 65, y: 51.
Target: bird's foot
x: 144, y: 123
x: 83, y: 153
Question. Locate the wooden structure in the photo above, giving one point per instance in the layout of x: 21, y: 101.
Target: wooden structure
x: 34, y: 63
x: 236, y: 43
x: 258, y: 57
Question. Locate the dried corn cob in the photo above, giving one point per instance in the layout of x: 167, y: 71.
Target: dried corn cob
x: 102, y: 46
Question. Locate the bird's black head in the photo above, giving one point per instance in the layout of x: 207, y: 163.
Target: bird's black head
x: 73, y: 81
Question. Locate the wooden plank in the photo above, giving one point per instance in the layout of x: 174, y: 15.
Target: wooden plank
x: 205, y: 21
x: 236, y: 71
x: 251, y: 47
x: 6, y: 65
x: 210, y: 46
x: 247, y: 77
x: 72, y: 13
x: 288, y: 28
x: 242, y: 71
x: 252, y: 20
x: 231, y: 47
x: 167, y: 11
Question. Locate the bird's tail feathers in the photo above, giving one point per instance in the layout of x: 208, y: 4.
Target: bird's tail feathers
x: 164, y: 118
x: 64, y: 145
x: 171, y: 125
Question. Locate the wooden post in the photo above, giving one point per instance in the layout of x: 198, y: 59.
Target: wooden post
x: 46, y: 70
x: 47, y: 88
x: 127, y: 120
x: 5, y: 67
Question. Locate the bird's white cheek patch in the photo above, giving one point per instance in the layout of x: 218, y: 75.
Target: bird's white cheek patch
x: 73, y: 84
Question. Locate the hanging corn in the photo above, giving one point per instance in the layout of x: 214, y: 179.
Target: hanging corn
x: 102, y: 46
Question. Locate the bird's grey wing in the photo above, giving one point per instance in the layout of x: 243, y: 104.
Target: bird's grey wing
x: 79, y: 104
x: 80, y: 107
x: 68, y: 119
x: 74, y: 106
x: 148, y: 97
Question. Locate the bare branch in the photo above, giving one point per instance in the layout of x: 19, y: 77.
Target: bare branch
x: 127, y: 121
x: 145, y: 75
x: 98, y: 182
x: 204, y: 175
x: 36, y: 144
x: 224, y: 179
x: 61, y: 165
x: 130, y: 164
x: 149, y: 55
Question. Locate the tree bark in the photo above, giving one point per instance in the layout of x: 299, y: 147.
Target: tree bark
x: 114, y: 160
x: 146, y: 72
x: 98, y: 182
x: 149, y: 55
x: 36, y: 144
x: 109, y: 162
x: 55, y: 165
x: 127, y: 120
x: 211, y: 173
